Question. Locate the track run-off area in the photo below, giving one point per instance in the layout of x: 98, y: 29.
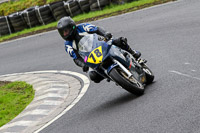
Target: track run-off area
x: 167, y: 36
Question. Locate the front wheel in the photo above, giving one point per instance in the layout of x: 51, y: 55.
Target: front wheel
x: 129, y: 84
x: 149, y: 74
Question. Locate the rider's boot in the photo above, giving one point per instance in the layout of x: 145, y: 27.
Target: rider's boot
x: 135, y: 54
x: 122, y: 43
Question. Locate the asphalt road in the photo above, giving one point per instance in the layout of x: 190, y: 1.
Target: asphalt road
x: 168, y: 37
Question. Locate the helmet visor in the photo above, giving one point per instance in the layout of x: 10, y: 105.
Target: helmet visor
x: 66, y: 32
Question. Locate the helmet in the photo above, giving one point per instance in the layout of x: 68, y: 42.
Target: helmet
x: 66, y: 28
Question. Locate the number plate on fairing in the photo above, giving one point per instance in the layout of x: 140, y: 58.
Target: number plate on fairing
x: 96, y: 56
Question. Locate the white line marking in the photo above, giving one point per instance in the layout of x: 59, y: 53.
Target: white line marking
x: 55, y: 89
x: 35, y: 112
x: 41, y: 88
x: 86, y: 83
x: 27, y: 37
x: 46, y: 102
x: 19, y: 123
x: 50, y: 95
x: 182, y: 74
x: 187, y: 63
x: 10, y: 132
x: 83, y: 91
x: 51, y: 102
x: 61, y: 85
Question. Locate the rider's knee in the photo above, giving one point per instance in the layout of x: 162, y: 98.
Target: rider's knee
x: 121, y: 42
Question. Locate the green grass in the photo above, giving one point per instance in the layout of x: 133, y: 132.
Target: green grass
x: 109, y: 11
x: 19, y: 5
x: 14, y: 97
x: 26, y: 31
x: 114, y: 8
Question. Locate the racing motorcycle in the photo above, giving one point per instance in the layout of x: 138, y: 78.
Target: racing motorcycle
x: 115, y: 64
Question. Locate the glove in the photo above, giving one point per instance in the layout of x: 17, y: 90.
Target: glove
x: 85, y: 68
x: 79, y: 62
x: 108, y: 36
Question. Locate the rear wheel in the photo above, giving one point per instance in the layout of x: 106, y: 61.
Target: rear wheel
x: 129, y: 84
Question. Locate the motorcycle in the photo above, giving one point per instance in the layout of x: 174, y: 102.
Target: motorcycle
x: 115, y: 64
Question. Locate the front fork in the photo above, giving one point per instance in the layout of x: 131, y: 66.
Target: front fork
x: 129, y: 74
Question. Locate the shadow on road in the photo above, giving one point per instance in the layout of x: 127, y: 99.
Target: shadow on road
x: 117, y: 103
x: 125, y: 98
x: 110, y: 106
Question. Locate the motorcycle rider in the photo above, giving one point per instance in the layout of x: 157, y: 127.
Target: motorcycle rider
x: 73, y: 33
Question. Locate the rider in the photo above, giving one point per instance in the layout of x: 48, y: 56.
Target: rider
x: 73, y: 33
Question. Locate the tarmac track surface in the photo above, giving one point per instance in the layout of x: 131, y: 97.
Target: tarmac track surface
x: 168, y: 37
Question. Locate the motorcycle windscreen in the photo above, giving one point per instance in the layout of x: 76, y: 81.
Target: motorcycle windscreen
x: 86, y: 43
x: 91, y: 49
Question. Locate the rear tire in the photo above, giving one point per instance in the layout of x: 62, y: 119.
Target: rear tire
x: 135, y: 88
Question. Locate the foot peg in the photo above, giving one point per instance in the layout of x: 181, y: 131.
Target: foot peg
x: 141, y: 61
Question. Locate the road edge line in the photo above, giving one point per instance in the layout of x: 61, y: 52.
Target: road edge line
x: 86, y: 84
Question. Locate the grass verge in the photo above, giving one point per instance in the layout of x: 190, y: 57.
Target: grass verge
x: 111, y: 10
x: 14, y: 97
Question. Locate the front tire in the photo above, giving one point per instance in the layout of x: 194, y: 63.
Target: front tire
x: 149, y: 74
x: 131, y: 85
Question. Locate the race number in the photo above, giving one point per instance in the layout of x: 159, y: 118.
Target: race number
x: 96, y: 56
